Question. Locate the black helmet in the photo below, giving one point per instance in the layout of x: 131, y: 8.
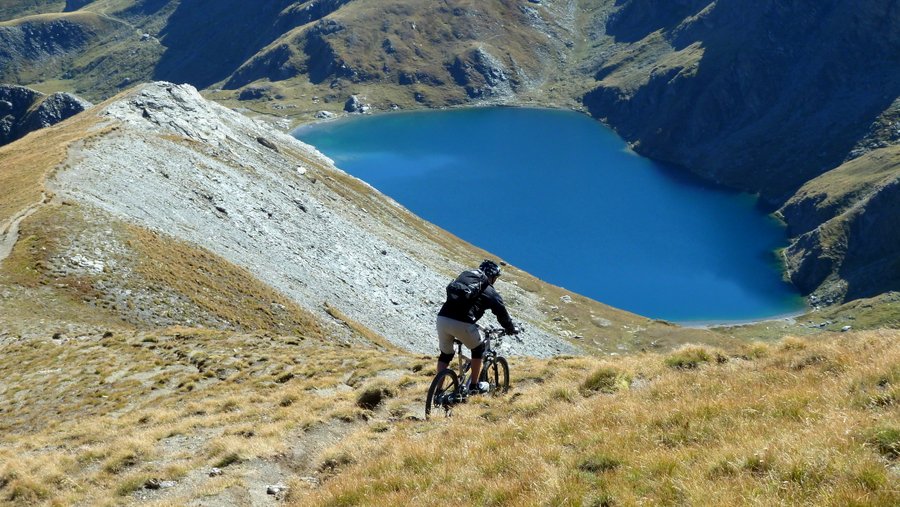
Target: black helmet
x: 490, y: 268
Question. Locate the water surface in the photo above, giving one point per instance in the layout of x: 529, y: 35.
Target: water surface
x: 562, y: 197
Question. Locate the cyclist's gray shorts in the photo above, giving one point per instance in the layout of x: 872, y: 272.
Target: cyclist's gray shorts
x: 447, y: 329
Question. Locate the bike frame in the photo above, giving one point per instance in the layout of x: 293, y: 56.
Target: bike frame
x: 460, y: 392
x: 465, y: 362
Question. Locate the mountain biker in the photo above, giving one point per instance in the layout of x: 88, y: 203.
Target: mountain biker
x: 459, y: 314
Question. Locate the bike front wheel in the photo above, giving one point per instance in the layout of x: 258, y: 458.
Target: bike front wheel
x: 496, y: 373
x: 442, y: 391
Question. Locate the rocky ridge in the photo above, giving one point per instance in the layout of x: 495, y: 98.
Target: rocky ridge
x: 201, y: 173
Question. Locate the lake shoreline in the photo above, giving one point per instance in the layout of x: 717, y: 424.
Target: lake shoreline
x: 790, y: 318
x: 610, y: 174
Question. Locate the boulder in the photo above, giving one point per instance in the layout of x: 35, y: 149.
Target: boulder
x: 354, y: 105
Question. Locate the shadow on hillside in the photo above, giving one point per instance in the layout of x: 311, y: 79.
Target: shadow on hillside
x: 637, y: 19
x: 780, y: 95
x: 207, y: 40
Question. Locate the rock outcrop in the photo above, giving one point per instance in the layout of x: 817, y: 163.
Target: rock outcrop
x: 23, y: 110
x: 481, y: 74
x: 844, y: 222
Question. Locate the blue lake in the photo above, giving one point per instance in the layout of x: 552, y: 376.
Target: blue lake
x: 561, y: 196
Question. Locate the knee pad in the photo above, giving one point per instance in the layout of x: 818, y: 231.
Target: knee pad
x: 478, y: 352
x: 445, y: 358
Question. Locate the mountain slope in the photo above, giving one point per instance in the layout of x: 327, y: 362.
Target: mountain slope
x: 168, y: 166
x: 405, y: 52
x: 766, y: 98
x: 763, y: 97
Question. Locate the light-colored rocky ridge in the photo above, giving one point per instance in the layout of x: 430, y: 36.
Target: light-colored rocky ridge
x: 199, y: 172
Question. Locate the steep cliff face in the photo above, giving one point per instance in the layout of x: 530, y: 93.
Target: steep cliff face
x: 765, y: 97
x: 23, y: 110
x: 845, y: 223
x: 762, y: 96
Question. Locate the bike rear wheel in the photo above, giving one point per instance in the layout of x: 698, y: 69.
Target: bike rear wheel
x: 443, y: 388
x: 496, y: 373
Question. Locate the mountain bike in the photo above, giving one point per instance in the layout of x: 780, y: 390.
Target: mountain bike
x: 450, y: 388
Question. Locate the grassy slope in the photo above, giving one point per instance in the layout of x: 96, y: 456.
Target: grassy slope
x: 24, y: 165
x: 795, y: 422
x: 11, y: 9
x: 844, y: 186
x: 801, y: 421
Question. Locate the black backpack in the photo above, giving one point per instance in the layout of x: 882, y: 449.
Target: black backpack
x: 467, y: 287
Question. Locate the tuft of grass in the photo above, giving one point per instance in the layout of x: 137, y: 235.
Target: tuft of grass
x: 759, y: 463
x: 599, y: 463
x: 886, y: 440
x: 334, y: 460
x: 373, y: 395
x: 792, y: 343
x: 604, y: 380
x: 228, y: 459
x: 878, y: 390
x: 688, y: 358
x: 122, y: 461
x: 756, y: 350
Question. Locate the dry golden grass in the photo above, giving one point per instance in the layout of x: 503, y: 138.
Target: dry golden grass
x: 136, y: 261
x: 798, y: 422
x: 218, y: 286
x: 97, y: 418
x: 794, y: 424
x: 26, y: 163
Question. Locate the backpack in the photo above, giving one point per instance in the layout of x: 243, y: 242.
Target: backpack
x: 467, y: 287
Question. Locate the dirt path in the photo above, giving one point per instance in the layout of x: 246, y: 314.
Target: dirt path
x: 9, y: 230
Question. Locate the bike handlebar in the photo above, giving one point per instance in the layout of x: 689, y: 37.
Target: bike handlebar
x: 497, y: 332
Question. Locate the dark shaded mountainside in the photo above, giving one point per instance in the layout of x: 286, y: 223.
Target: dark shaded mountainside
x: 796, y: 101
x: 793, y: 100
x: 23, y: 110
